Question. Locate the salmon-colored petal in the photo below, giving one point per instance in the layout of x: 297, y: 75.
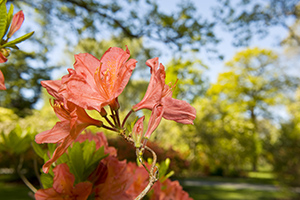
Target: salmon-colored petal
x: 16, y: 24
x: 87, y: 64
x: 78, y: 90
x: 178, y: 110
x: 62, y: 148
x: 52, y: 88
x: 96, y: 83
x: 47, y: 194
x: 59, y: 132
x: 155, y: 118
x: 63, y: 180
x: 2, y: 84
x: 82, y: 190
x: 155, y: 88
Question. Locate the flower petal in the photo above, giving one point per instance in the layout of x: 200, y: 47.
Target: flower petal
x: 47, y: 194
x: 155, y: 118
x: 63, y: 180
x: 82, y: 190
x: 155, y: 88
x: 59, y: 132
x: 2, y: 84
x: 178, y: 110
x: 52, y: 88
x: 78, y: 89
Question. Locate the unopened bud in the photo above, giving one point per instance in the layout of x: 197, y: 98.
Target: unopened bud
x: 5, y: 52
x: 137, y: 132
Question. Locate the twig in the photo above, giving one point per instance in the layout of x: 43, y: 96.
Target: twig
x: 24, y: 179
x: 152, y: 175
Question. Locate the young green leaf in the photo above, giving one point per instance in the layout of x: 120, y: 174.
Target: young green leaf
x: 37, y: 149
x: 46, y: 180
x: 18, y: 40
x: 9, y: 17
x: 3, y: 19
x: 88, y: 151
x: 76, y: 162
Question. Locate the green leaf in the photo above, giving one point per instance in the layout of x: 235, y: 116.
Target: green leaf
x: 62, y: 159
x: 3, y: 19
x: 97, y: 157
x: 38, y: 150
x: 47, y: 180
x: 9, y: 16
x: 88, y: 151
x: 76, y: 162
x: 51, y: 147
x: 18, y: 40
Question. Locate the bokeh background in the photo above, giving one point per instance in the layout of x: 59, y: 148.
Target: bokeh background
x: 236, y: 61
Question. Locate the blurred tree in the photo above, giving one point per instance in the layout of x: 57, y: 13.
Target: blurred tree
x: 181, y: 29
x: 188, y: 74
x: 73, y: 22
x: 255, y: 82
x: 22, y: 79
x: 257, y: 17
x: 286, y: 149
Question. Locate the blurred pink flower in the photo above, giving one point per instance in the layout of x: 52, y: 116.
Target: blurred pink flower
x: 114, y: 185
x: 160, y: 93
x: 73, y: 120
x: 2, y: 84
x: 96, y: 83
x: 140, y: 179
x: 169, y: 190
x: 17, y: 22
x: 63, y: 186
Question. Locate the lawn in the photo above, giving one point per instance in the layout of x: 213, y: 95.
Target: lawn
x: 14, y: 191
x: 18, y: 191
x: 219, y: 193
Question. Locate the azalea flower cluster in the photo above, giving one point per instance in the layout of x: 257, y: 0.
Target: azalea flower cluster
x: 112, y: 179
x: 95, y: 85
x: 14, y: 22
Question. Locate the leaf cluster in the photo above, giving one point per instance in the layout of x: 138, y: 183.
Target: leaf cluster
x: 82, y: 159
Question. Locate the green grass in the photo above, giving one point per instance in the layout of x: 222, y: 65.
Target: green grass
x: 14, y: 191
x: 219, y: 193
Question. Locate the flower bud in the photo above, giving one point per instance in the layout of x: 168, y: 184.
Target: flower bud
x: 137, y: 132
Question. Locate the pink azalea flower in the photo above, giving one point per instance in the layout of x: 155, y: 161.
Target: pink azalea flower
x: 160, y: 93
x: 114, y: 185
x: 63, y: 186
x: 169, y: 190
x: 2, y: 85
x: 140, y: 179
x: 17, y: 22
x: 96, y: 83
x: 73, y: 120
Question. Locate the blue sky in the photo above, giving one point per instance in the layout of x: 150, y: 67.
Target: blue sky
x: 225, y: 47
